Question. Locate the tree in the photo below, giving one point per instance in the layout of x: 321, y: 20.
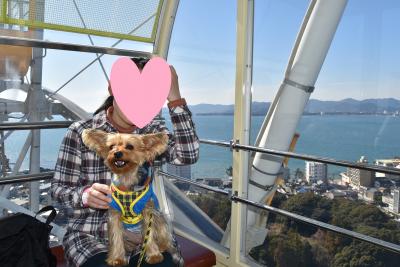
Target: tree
x: 353, y: 256
x: 324, y: 248
x: 217, y: 207
x: 308, y: 205
x: 299, y: 175
x: 291, y: 251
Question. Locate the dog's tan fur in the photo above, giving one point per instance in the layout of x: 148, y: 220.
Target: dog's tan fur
x: 145, y: 148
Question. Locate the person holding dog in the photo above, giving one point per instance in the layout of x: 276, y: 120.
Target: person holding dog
x: 81, y: 181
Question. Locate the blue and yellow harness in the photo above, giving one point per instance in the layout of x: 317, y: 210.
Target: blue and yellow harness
x: 131, y: 203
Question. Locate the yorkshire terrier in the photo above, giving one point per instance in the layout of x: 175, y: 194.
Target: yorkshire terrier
x: 132, y: 209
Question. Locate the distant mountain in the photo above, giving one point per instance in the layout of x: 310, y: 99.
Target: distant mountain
x: 211, y: 108
x: 349, y: 105
x: 314, y: 106
x: 260, y: 108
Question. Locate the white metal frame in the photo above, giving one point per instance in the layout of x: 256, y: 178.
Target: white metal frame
x: 307, y: 57
x: 165, y: 26
x: 241, y: 128
x: 160, y: 48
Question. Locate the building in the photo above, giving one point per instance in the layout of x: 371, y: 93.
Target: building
x: 180, y: 170
x: 368, y: 194
x: 303, y: 189
x: 359, y: 177
x: 396, y: 200
x: 388, y: 200
x: 393, y: 201
x: 345, y: 178
x: 395, y: 183
x: 383, y: 183
x: 216, y: 182
x: 391, y: 163
x: 335, y: 194
x: 316, y: 171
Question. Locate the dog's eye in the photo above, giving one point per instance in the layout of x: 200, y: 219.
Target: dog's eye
x: 111, y: 147
x: 129, y: 147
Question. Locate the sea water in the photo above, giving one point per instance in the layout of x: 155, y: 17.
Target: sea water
x: 343, y: 137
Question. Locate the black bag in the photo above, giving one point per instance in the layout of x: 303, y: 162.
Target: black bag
x: 24, y: 240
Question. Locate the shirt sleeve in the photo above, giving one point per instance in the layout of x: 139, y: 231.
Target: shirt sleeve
x: 183, y: 144
x: 65, y: 186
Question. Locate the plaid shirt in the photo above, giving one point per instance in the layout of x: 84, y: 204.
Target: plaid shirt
x: 78, y: 167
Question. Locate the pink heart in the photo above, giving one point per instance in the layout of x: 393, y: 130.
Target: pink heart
x: 140, y: 95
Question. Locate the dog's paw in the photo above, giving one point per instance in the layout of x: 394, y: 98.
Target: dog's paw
x: 155, y: 258
x: 117, y: 262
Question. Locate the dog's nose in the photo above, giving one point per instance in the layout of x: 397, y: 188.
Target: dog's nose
x: 118, y: 154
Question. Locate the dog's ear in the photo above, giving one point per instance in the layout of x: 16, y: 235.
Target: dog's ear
x: 154, y: 144
x: 96, y: 140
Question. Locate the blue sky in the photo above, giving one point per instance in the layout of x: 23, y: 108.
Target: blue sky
x: 363, y: 61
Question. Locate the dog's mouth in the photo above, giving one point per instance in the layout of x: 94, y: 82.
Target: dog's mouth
x: 120, y: 163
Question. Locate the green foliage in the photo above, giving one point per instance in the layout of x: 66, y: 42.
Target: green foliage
x: 287, y: 250
x: 312, y: 247
x: 353, y: 256
x: 349, y: 214
x: 320, y: 254
x: 292, y: 251
x: 310, y: 206
x: 299, y: 174
x: 217, y: 207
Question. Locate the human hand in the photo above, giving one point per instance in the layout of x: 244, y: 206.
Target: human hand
x: 174, y: 92
x: 97, y: 196
x: 132, y: 240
